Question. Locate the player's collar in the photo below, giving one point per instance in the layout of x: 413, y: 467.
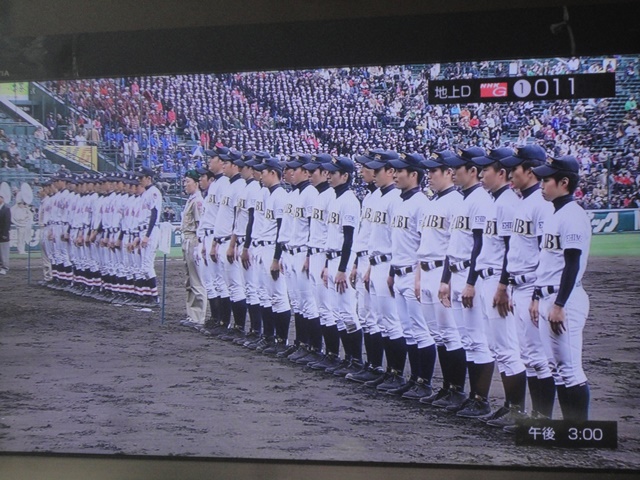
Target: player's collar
x: 273, y: 188
x: 340, y: 189
x: 250, y: 180
x: 528, y: 191
x: 234, y: 178
x: 321, y: 187
x: 217, y: 176
x: 444, y: 192
x: 500, y: 191
x: 409, y: 193
x: 467, y: 192
x: 560, y: 202
x: 302, y: 185
x: 387, y: 189
x: 371, y: 187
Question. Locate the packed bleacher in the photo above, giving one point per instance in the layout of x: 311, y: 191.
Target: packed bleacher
x: 167, y: 122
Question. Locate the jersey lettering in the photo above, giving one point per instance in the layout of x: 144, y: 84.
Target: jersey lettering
x: 433, y: 221
x: 461, y: 223
x: 225, y: 201
x: 318, y: 214
x: 400, y: 222
x: 366, y: 215
x: 551, y: 242
x: 288, y: 209
x: 259, y: 206
x: 334, y: 217
x: 299, y: 212
x: 491, y: 228
x: 269, y: 215
x: 241, y: 203
x: 522, y: 227
x: 380, y: 217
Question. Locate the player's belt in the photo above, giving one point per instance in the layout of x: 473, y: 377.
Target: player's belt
x: 460, y: 266
x: 542, y: 292
x: 208, y: 231
x: 522, y: 279
x: 427, y: 266
x: 314, y: 250
x: 239, y: 240
x: 262, y: 243
x: 143, y: 228
x: 221, y: 239
x: 488, y: 272
x: 113, y: 230
x: 294, y: 250
x: 334, y: 254
x: 364, y: 253
x: 378, y: 259
x: 401, y: 271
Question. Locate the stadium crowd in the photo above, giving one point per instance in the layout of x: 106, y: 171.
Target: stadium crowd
x: 167, y: 122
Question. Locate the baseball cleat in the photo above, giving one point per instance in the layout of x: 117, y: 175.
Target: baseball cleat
x: 402, y: 389
x: 503, y: 410
x: 382, y: 377
x: 474, y: 409
x: 420, y: 389
x: 510, y: 419
x: 329, y: 360
x: 394, y: 380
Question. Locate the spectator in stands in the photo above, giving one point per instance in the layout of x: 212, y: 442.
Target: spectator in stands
x: 13, y: 149
x: 5, y: 229
x: 631, y: 104
x: 3, y: 136
x: 39, y: 134
x: 4, y: 160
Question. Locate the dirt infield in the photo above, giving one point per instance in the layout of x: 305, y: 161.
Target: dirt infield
x: 79, y: 376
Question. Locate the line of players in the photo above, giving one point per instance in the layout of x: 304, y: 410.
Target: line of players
x: 463, y: 277
x: 100, y: 234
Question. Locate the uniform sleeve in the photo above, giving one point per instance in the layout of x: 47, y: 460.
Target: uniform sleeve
x: 504, y: 219
x: 350, y: 214
x: 478, y: 216
x: 575, y: 235
x: 279, y: 204
x: 310, y: 199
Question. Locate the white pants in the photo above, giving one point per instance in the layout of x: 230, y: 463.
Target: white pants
x: 565, y: 350
x: 532, y: 352
x: 276, y: 290
x: 363, y: 299
x: 382, y: 302
x: 303, y: 287
x: 414, y: 324
x: 502, y: 332
x: 321, y: 293
x: 289, y: 276
x: 251, y: 279
x: 469, y: 320
x: 440, y: 319
x: 343, y: 305
x: 232, y: 273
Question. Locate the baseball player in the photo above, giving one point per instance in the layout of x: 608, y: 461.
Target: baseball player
x: 502, y: 330
x: 405, y: 241
x: 225, y: 242
x: 307, y: 318
x: 522, y: 261
x: 276, y: 321
x: 217, y: 291
x: 394, y: 332
x: 464, y: 247
x: 343, y: 213
x: 313, y: 267
x: 560, y: 305
x: 373, y: 346
x: 435, y: 231
x: 245, y: 221
x: 44, y: 215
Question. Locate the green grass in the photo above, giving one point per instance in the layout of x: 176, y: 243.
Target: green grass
x: 616, y: 245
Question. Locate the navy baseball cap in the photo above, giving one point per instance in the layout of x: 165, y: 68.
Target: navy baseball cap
x: 566, y: 164
x: 249, y: 155
x: 269, y: 163
x: 381, y: 158
x: 231, y: 156
x: 240, y: 163
x: 465, y: 156
x: 262, y: 155
x: 145, y: 172
x: 438, y: 159
x: 528, y: 152
x: 217, y: 151
x: 339, y: 164
x: 409, y: 160
x: 493, y: 156
x: 297, y: 160
x: 201, y: 171
x: 317, y: 160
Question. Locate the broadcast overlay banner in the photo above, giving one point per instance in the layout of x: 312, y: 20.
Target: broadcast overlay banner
x: 522, y: 89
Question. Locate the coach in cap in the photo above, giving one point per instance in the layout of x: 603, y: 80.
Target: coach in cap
x: 560, y: 305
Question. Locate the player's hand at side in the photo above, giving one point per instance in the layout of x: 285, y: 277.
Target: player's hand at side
x: 118, y: 244
x: 444, y: 294
x: 501, y: 301
x: 390, y: 281
x: 145, y: 242
x: 325, y: 277
x: 245, y: 259
x: 367, y: 279
x: 341, y: 282
x: 534, y: 312
x: 214, y: 252
x: 275, y: 269
x: 305, y: 267
x: 353, y: 275
x: 468, y: 292
x: 556, y: 320
x: 231, y: 253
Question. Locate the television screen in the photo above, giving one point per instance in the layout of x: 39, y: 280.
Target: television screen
x: 89, y: 368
